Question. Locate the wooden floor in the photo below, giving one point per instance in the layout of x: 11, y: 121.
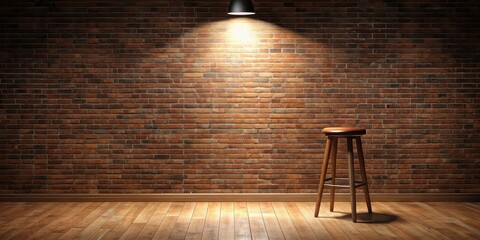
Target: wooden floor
x: 237, y: 220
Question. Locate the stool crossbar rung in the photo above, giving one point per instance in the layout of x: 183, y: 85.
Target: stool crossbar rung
x: 358, y: 183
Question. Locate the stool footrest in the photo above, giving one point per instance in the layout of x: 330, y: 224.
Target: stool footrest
x: 358, y: 183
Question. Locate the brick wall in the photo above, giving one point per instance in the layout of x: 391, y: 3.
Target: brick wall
x: 155, y: 96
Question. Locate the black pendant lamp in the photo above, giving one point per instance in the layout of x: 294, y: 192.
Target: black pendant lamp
x: 241, y: 7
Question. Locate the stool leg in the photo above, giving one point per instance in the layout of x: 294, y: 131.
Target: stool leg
x: 363, y: 173
x: 351, y: 173
x: 333, y: 164
x: 322, y: 175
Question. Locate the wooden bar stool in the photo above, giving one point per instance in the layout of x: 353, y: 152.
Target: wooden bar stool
x: 333, y: 134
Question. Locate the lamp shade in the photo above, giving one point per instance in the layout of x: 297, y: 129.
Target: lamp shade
x: 241, y: 7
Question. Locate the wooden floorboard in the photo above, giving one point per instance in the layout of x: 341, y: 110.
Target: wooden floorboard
x: 237, y: 220
x: 226, y: 229
x: 212, y: 220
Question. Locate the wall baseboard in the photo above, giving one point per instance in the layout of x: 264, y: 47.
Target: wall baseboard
x: 236, y: 197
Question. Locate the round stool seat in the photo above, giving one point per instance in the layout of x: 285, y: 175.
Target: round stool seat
x: 344, y: 131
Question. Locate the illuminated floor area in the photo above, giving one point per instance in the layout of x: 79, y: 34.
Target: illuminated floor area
x: 237, y: 220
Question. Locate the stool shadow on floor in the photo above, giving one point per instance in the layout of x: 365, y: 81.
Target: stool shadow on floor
x: 371, y: 218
